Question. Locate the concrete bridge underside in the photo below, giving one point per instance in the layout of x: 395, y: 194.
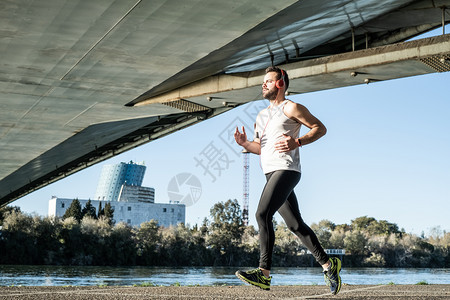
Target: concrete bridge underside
x: 82, y: 81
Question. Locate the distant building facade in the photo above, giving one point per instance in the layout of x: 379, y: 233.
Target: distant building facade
x: 134, y: 204
x: 114, y: 176
x: 132, y: 193
x: 132, y: 213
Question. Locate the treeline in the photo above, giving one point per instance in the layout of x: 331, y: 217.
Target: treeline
x: 78, y: 213
x: 221, y: 240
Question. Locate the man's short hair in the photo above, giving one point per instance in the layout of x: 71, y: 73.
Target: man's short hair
x: 279, y: 74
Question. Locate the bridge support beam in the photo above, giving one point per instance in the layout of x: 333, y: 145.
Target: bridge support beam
x: 351, y: 68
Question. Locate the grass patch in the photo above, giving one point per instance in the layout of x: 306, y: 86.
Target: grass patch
x: 423, y: 282
x: 145, y: 284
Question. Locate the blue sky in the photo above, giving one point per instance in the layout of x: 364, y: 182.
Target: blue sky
x: 386, y: 155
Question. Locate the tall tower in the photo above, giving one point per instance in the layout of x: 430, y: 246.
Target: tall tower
x: 114, y: 176
x: 245, y: 195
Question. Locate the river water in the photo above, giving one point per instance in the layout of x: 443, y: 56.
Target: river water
x: 94, y: 276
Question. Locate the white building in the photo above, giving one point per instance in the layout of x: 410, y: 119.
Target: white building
x: 120, y: 185
x: 132, y: 213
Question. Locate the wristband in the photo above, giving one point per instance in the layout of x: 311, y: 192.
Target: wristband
x: 299, y: 143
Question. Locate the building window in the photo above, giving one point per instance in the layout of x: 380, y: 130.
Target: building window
x: 129, y: 208
x: 164, y: 209
x: 129, y: 221
x: 62, y: 205
x: 172, y: 210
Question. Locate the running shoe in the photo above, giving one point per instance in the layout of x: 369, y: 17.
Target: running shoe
x: 255, y: 277
x: 332, y: 278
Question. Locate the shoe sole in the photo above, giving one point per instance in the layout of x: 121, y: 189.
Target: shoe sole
x: 243, y: 279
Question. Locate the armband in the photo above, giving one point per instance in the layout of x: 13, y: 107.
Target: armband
x: 299, y: 143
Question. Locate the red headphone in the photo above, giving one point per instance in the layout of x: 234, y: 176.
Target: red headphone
x: 280, y: 82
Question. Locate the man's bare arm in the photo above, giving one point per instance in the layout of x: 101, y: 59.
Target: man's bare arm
x: 241, y: 139
x: 302, y: 115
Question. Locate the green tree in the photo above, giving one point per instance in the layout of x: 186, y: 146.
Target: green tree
x: 92, y: 238
x: 373, y: 227
x: 123, y: 243
x: 323, y: 231
x: 5, y: 210
x: 287, y: 246
x: 148, y: 243
x: 177, y: 246
x: 337, y: 238
x: 46, y: 232
x: 355, y: 242
x: 250, y: 246
x: 19, y: 245
x: 89, y: 210
x: 343, y: 227
x: 109, y: 213
x: 228, y: 217
x: 74, y: 211
x: 101, y: 210
x: 226, y: 230
x: 362, y: 223
x: 223, y: 241
x: 205, y: 227
x: 71, y: 240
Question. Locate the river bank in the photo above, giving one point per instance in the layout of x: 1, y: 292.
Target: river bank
x: 12, y: 275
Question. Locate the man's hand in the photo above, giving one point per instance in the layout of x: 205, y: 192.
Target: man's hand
x: 241, y: 138
x: 287, y: 144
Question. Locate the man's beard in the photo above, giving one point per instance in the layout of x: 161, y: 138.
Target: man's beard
x: 271, y: 94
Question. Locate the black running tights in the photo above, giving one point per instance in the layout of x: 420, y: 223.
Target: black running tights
x: 278, y: 195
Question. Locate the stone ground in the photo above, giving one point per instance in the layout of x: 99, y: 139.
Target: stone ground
x: 441, y: 291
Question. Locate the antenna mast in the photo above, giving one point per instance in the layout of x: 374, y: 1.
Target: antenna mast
x: 245, y: 195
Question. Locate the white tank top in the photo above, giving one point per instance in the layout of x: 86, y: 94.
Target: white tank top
x: 271, y: 123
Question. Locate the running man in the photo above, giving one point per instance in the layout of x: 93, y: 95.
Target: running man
x: 277, y: 142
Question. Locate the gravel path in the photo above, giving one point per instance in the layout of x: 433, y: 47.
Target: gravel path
x: 441, y: 291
